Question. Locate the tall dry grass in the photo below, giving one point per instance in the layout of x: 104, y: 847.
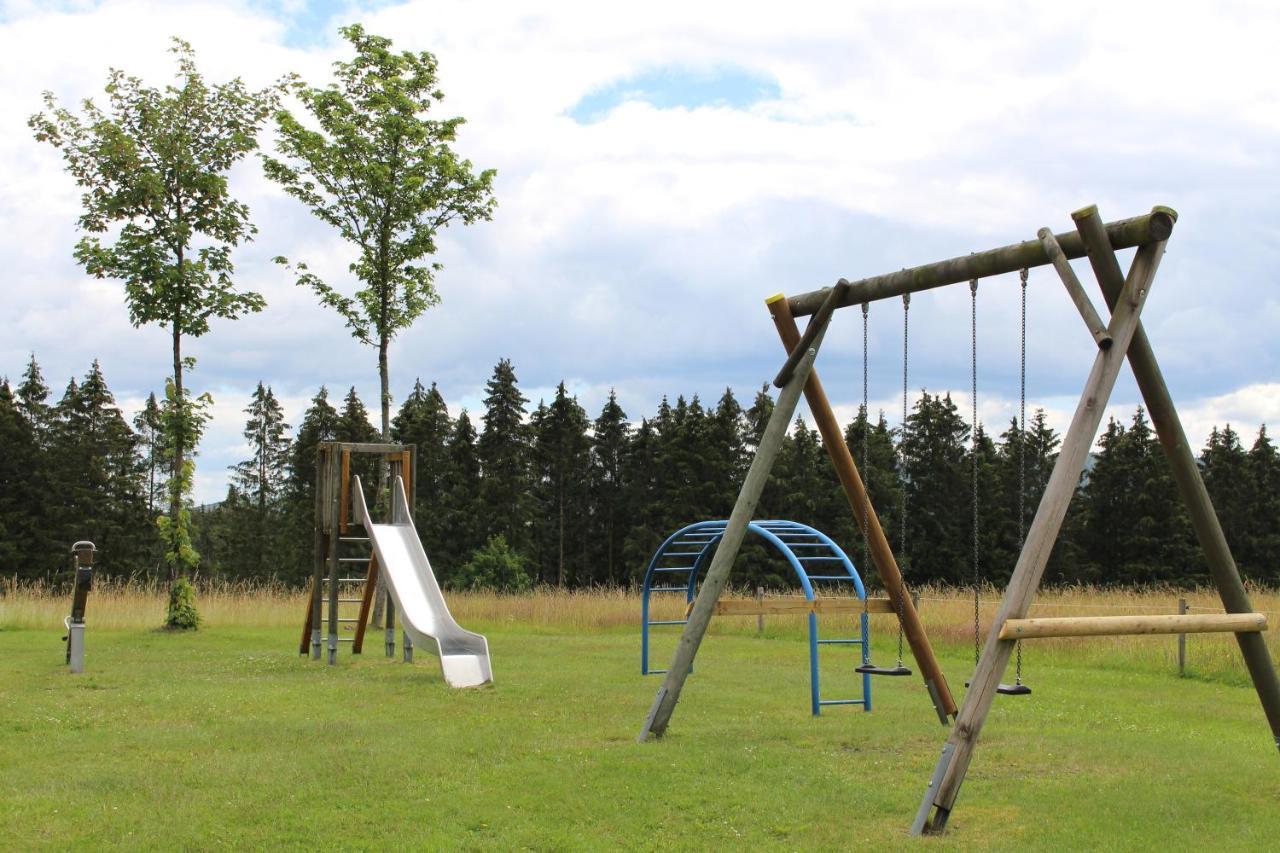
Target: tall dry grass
x: 947, y: 615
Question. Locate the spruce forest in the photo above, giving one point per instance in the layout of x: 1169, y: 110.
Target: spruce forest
x: 575, y: 501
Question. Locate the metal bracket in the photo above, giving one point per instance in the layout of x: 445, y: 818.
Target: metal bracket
x: 647, y: 728
x: 937, y: 702
x: 921, y: 824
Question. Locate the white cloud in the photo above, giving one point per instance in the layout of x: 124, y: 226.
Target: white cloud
x: 635, y: 251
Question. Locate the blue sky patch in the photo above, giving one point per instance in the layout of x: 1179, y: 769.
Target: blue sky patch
x: 668, y: 88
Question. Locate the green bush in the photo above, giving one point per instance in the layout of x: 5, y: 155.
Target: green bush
x: 182, y: 614
x: 496, y: 567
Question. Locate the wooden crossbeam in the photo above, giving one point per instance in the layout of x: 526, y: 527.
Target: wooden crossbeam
x: 786, y: 606
x: 1109, y: 626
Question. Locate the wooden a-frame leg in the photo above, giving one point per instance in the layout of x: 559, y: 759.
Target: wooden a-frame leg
x: 1186, y: 473
x: 699, y: 618
x: 949, y: 774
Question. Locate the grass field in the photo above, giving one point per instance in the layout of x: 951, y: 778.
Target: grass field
x: 225, y: 737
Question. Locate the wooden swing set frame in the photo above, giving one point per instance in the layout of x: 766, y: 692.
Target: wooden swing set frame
x: 1117, y: 340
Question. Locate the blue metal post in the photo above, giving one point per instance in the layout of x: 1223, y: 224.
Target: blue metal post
x: 813, y: 663
x: 866, y: 677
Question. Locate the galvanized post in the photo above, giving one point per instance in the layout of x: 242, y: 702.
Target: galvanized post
x: 760, y: 615
x: 1182, y: 641
x: 83, y: 558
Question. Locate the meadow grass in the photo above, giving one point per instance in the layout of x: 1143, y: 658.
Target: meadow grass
x: 226, y: 737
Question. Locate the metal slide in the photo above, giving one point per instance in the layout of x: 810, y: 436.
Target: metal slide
x: 464, y: 656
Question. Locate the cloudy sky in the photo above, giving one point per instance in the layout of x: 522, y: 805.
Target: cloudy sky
x: 663, y: 167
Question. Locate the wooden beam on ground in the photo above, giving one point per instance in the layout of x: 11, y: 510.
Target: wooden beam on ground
x: 949, y: 774
x: 864, y: 514
x: 727, y: 551
x: 1186, y: 474
x: 1112, y: 626
x: 1153, y: 227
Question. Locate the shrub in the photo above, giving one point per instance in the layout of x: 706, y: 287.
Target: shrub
x: 182, y: 614
x: 496, y: 567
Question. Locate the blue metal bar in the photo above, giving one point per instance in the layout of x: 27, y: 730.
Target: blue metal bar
x: 668, y: 589
x: 674, y: 569
x: 811, y: 559
x: 833, y: 578
x: 839, y: 642
x: 844, y: 702
x: 668, y: 622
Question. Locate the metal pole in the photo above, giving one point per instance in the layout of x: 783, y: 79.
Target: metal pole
x: 760, y: 615
x: 1182, y: 641
x: 83, y: 560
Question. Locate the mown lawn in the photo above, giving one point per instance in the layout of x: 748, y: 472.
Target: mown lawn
x: 225, y: 738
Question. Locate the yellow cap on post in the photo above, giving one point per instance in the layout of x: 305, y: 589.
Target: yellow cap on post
x: 772, y: 299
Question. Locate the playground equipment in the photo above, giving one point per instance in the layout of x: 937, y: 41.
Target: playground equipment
x: 391, y: 550
x: 1120, y: 339
x: 464, y: 655
x: 813, y: 556
x: 82, y: 560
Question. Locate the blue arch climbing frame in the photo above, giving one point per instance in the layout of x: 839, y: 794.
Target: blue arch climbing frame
x: 675, y: 566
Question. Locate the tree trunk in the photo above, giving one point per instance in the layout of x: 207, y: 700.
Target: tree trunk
x: 179, y: 444
x: 560, y: 568
x: 384, y: 382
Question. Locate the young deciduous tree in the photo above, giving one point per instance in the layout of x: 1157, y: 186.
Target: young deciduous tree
x: 159, y: 215
x: 383, y: 173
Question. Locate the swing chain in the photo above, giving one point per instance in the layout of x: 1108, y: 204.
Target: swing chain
x: 902, y: 463
x: 866, y: 311
x: 973, y: 373
x: 1022, y: 445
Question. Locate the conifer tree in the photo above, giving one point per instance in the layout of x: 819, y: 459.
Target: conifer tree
x: 31, y: 399
x: 319, y: 423
x: 1262, y: 552
x: 610, y: 440
x: 880, y: 475
x: 939, y: 526
x: 642, y: 500
x: 561, y: 452
x: 503, y: 449
x: 19, y: 456
x: 260, y: 480
x: 463, y: 506
x: 1224, y: 466
x: 100, y: 478
x: 423, y: 420
x: 149, y: 427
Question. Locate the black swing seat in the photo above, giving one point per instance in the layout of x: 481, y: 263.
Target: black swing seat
x: 872, y: 669
x: 1011, y: 689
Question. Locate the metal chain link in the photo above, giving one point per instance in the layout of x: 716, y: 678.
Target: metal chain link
x: 973, y: 374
